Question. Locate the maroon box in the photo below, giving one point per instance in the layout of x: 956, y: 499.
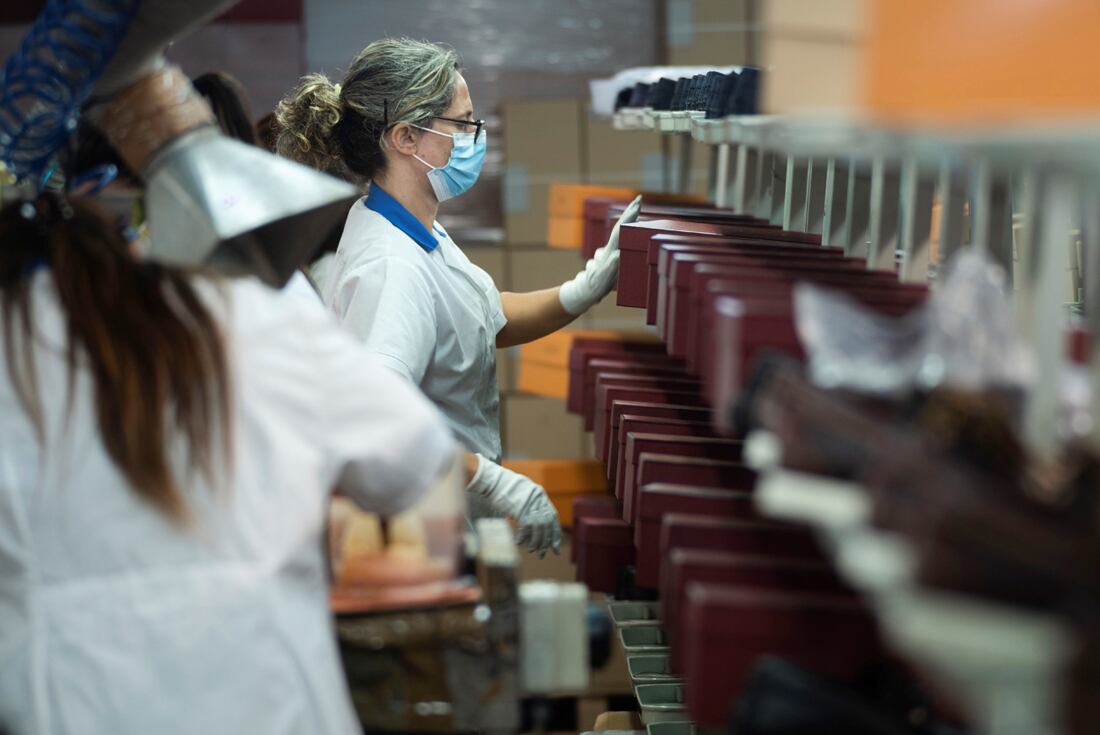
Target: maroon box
x: 597, y: 224
x: 604, y: 548
x: 592, y: 506
x: 676, y: 382
x: 726, y: 450
x: 648, y: 425
x: 728, y: 628
x: 586, y: 349
x: 601, y: 214
x: 684, y: 566
x: 686, y: 244
x: 719, y: 346
x: 700, y: 414
x: 673, y: 291
x: 634, y: 248
x: 894, y: 299
x: 641, y: 364
x: 760, y: 538
x: 669, y: 497
x: 607, y: 395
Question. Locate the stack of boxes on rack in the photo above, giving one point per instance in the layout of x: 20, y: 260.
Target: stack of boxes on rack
x: 678, y: 521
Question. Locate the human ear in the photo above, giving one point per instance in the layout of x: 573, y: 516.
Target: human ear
x: 403, y: 138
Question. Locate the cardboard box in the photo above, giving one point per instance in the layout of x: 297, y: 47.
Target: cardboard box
x: 983, y: 62
x: 540, y: 379
x: 630, y: 159
x: 567, y: 200
x: 843, y: 20
x: 565, y: 233
x: 540, y: 428
x: 709, y: 32
x: 507, y: 363
x: 554, y: 349
x: 536, y: 269
x: 543, y: 143
x: 810, y: 75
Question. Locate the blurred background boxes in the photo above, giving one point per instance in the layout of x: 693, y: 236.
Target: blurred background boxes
x: 814, y: 53
x: 714, y: 32
x: 543, y: 143
x: 540, y: 428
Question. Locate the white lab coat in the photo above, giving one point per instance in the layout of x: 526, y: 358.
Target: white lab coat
x: 430, y: 316
x: 113, y: 620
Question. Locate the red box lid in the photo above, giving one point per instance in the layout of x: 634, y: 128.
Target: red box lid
x: 649, y: 425
x: 779, y: 540
x: 603, y: 531
x: 605, y: 423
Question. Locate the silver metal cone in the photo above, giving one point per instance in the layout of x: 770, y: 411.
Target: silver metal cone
x: 216, y: 201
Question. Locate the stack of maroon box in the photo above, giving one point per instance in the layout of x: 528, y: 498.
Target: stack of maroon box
x: 732, y: 585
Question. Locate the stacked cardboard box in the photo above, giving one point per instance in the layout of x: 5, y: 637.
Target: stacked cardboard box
x: 566, y: 228
x: 710, y: 32
x: 543, y: 143
x: 814, y: 53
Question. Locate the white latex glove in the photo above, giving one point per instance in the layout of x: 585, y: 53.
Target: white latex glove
x: 601, y: 271
x: 514, y: 495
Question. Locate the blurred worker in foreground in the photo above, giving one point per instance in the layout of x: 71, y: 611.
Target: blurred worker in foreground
x: 168, y: 442
x: 403, y: 121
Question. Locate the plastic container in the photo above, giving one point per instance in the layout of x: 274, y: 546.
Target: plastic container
x: 419, y: 549
x: 642, y: 639
x: 650, y: 668
x: 671, y: 728
x: 661, y: 703
x: 625, y: 614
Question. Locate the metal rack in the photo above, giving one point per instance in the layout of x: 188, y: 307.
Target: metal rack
x: 870, y: 189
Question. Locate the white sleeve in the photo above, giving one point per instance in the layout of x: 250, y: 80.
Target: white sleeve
x: 387, y: 443
x: 388, y: 304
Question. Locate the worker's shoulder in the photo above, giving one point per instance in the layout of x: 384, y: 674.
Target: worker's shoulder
x: 368, y: 236
x: 252, y: 308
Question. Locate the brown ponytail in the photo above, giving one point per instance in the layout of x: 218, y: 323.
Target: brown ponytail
x: 154, y: 351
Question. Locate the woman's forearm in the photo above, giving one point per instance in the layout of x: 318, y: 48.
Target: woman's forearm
x: 531, y: 315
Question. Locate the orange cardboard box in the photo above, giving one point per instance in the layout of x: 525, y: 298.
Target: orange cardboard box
x: 567, y: 200
x: 945, y: 62
x: 553, y: 349
x: 540, y: 379
x: 566, y: 233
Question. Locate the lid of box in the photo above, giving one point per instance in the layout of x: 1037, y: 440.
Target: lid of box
x: 586, y: 349
x: 678, y: 381
x: 596, y: 506
x: 635, y: 236
x: 668, y: 425
x: 655, y: 500
x: 730, y: 610
x: 724, y: 447
x: 620, y: 408
x: 740, y: 535
x: 653, y: 467
x: 607, y: 531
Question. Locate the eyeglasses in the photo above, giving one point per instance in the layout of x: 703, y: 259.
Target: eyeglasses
x: 478, y: 124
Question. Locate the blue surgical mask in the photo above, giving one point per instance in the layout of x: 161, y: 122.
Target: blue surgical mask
x: 462, y: 168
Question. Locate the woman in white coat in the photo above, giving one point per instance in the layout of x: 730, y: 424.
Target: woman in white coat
x: 168, y: 443
x: 403, y: 121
